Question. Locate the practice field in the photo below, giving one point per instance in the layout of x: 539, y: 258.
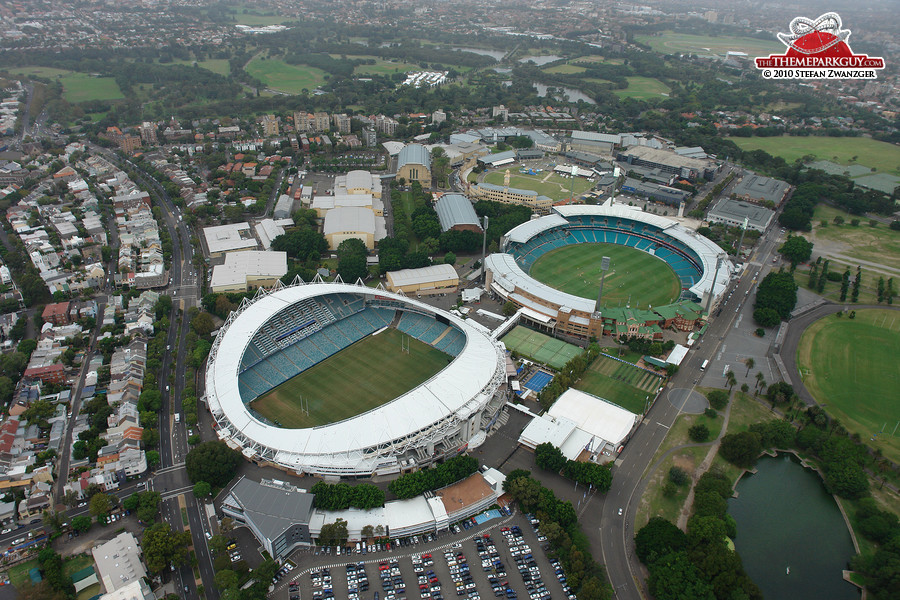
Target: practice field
x: 381, y: 66
x: 565, y: 69
x: 633, y: 274
x: 279, y: 75
x: 879, y: 244
x: 669, y: 42
x: 77, y: 87
x: 545, y: 183
x: 884, y: 157
x: 850, y: 367
x: 364, y: 376
x: 643, y: 88
x: 620, y: 383
x: 539, y: 347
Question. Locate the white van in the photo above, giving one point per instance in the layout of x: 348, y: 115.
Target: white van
x: 178, y: 417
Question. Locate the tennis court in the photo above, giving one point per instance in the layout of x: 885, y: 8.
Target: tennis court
x: 538, y: 381
x: 540, y: 348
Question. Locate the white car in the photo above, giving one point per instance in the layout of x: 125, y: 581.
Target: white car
x: 620, y: 512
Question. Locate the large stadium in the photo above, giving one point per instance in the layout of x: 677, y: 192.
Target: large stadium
x: 665, y: 255
x: 274, y: 356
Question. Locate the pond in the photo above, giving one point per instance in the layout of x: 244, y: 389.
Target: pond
x: 541, y: 60
x: 790, y: 533
x: 495, y: 54
x: 571, y: 95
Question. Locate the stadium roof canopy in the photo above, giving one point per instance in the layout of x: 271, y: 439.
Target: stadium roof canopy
x: 354, y: 445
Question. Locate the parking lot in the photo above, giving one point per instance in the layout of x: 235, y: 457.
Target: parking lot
x: 503, y: 560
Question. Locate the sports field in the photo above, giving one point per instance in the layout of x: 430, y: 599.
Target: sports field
x: 77, y: 87
x: 279, y: 75
x: 364, y: 376
x: 643, y: 88
x: 620, y: 383
x: 565, y: 69
x: 850, y: 366
x: 539, y: 347
x: 879, y: 244
x: 884, y: 157
x: 670, y: 42
x: 634, y: 274
x: 546, y: 183
x: 381, y: 66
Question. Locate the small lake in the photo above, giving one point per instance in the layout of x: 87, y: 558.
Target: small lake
x: 572, y: 95
x: 786, y: 518
x: 495, y: 54
x: 541, y: 60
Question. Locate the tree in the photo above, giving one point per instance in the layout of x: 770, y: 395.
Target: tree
x: 699, y: 433
x: 203, y: 324
x: 367, y: 532
x: 152, y: 458
x: 509, y: 309
x: 70, y: 498
x: 163, y: 547
x: 201, y: 489
x: 679, y: 476
x: 100, y: 504
x: 549, y: 457
x: 81, y: 523
x: 718, y: 399
x: 352, y: 254
x: 212, y: 462
x: 776, y: 292
x: 731, y: 380
x: 741, y: 449
x: 750, y: 364
x: 449, y: 259
x: 658, y: 538
x: 796, y: 249
x: 334, y: 534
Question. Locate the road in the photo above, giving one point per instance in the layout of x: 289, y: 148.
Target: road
x: 614, y: 534
x: 173, y: 448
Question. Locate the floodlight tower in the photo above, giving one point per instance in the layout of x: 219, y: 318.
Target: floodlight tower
x: 484, y: 248
x: 712, y: 288
x: 616, y: 172
x: 572, y: 185
x: 743, y: 231
x: 604, y: 267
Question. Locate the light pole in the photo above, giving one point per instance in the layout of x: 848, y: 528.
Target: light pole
x: 604, y: 267
x: 712, y: 287
x: 484, y: 251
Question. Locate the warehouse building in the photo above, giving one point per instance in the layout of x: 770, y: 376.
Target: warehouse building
x: 427, y: 281
x: 284, y: 207
x: 733, y: 213
x: 455, y: 212
x: 345, y: 222
x: 757, y: 188
x: 249, y: 270
x: 656, y: 192
x: 414, y: 164
x: 686, y: 167
x: 234, y: 237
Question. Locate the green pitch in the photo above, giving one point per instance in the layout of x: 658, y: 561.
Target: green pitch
x: 850, y: 366
x: 620, y: 383
x: 364, y: 376
x: 633, y: 274
x: 546, y: 183
x: 540, y: 348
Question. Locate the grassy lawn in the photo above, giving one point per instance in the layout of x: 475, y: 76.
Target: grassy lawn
x: 654, y: 503
x: 19, y: 573
x: 77, y: 87
x: 643, y: 88
x: 621, y: 384
x: 634, y: 274
x: 566, y: 69
x: 868, y: 292
x: 884, y: 157
x: 878, y: 244
x: 551, y: 185
x: 540, y: 347
x: 670, y: 42
x: 279, y: 75
x: 242, y: 18
x: 381, y: 66
x: 595, y: 80
x: 599, y: 59
x: 853, y: 373
x: 361, y: 377
x: 216, y: 65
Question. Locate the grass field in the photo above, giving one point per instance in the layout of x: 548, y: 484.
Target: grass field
x: 599, y: 59
x: 279, y: 75
x: 216, y: 65
x: 77, y: 87
x: 620, y: 383
x: 381, y: 66
x: 884, y: 157
x: 633, y: 274
x: 364, y: 376
x: 549, y: 184
x: 566, y: 69
x: 878, y: 244
x: 643, y: 87
x: 853, y: 372
x: 670, y: 42
x: 539, y: 347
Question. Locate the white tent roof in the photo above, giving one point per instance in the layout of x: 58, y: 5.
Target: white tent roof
x: 594, y: 415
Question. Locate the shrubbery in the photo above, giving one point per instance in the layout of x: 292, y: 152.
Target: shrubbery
x: 425, y: 480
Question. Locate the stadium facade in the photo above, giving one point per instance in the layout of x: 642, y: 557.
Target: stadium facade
x: 691, y: 256
x: 287, y: 330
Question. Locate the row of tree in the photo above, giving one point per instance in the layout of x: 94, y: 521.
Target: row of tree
x: 418, y: 482
x: 341, y: 496
x: 550, y: 458
x: 567, y: 376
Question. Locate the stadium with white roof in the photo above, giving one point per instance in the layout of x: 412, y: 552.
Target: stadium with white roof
x: 691, y: 256
x: 287, y: 330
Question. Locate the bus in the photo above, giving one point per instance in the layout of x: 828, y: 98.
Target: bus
x: 704, y: 365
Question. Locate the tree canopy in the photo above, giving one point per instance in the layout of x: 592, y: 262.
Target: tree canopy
x: 212, y: 462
